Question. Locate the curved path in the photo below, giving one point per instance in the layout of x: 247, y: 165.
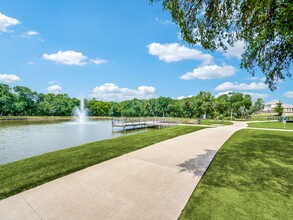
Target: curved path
x: 152, y: 183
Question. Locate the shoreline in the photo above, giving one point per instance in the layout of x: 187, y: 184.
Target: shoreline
x: 27, y: 173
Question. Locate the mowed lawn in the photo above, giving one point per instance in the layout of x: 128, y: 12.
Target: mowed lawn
x: 251, y: 177
x: 24, y: 174
x: 275, y: 125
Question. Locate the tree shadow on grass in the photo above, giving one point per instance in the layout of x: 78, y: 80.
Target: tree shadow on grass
x: 198, y: 165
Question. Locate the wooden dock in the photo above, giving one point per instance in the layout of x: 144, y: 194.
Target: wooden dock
x: 128, y: 124
x: 288, y: 119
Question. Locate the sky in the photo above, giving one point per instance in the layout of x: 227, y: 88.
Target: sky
x: 115, y: 50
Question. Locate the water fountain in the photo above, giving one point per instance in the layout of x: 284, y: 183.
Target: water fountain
x: 81, y: 112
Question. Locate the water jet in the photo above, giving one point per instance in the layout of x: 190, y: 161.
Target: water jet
x: 81, y: 112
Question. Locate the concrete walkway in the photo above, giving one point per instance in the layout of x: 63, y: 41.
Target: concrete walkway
x: 152, y: 183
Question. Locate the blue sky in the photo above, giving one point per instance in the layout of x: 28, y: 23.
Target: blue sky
x: 114, y: 50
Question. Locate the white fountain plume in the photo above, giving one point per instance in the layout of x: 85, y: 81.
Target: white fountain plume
x: 81, y: 112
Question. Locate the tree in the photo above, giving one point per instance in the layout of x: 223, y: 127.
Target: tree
x: 279, y: 108
x: 204, y: 104
x: 131, y: 108
x: 221, y: 105
x: 176, y: 109
x: 264, y: 26
x: 115, y: 110
x: 239, y: 104
x: 162, y: 106
x: 6, y: 100
x: 188, y: 108
x: 149, y: 107
x: 98, y: 108
x: 258, y: 105
x: 26, y: 99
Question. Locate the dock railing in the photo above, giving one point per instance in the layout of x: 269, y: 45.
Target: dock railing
x: 141, y: 122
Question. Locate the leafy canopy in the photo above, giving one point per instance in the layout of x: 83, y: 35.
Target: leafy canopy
x: 265, y: 26
x: 279, y: 108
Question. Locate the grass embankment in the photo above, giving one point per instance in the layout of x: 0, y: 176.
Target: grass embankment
x: 274, y: 125
x: 215, y: 122
x: 251, y: 177
x: 25, y: 174
x: 35, y: 118
x: 48, y: 118
x: 202, y: 121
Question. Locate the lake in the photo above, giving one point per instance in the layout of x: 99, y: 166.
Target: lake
x: 23, y: 139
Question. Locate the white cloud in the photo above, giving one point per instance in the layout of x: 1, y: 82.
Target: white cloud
x: 32, y: 33
x: 183, y: 97
x: 235, y: 51
x: 288, y: 94
x: 174, y: 52
x: 98, y: 61
x: 165, y: 22
x: 242, y: 86
x: 111, y: 92
x: 254, y: 96
x: 253, y: 78
x: 54, y: 89
x: 210, y: 72
x: 67, y: 58
x: 222, y: 93
x: 8, y: 78
x: 6, y: 22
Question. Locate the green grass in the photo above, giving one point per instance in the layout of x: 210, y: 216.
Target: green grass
x: 251, y: 177
x: 34, y: 118
x: 203, y: 121
x: 275, y: 125
x: 214, y: 122
x: 28, y: 173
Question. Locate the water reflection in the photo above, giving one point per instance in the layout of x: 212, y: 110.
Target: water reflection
x: 23, y: 139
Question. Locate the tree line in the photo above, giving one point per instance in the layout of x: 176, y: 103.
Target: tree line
x: 22, y: 101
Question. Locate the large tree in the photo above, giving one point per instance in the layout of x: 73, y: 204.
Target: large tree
x: 7, y: 99
x: 265, y: 26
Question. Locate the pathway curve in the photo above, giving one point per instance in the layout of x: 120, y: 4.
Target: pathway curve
x: 152, y: 183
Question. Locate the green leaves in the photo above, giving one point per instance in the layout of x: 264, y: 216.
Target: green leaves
x: 279, y: 108
x: 265, y: 26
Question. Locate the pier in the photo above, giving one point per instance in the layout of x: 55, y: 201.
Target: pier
x: 288, y: 119
x: 128, y: 124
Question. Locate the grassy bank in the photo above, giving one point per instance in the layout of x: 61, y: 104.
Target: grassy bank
x: 25, y: 174
x: 275, y: 125
x: 64, y: 118
x: 47, y: 118
x: 35, y: 118
x: 251, y: 177
x: 206, y: 122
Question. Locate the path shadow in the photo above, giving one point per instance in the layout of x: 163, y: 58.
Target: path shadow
x: 198, y: 165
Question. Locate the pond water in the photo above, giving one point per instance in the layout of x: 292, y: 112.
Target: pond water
x: 19, y: 140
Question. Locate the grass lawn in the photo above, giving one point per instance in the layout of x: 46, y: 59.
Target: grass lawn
x: 251, y: 177
x: 24, y: 174
x: 276, y: 125
x: 205, y: 122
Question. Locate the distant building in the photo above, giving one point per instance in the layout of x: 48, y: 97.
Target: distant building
x: 288, y: 108
x: 269, y: 107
